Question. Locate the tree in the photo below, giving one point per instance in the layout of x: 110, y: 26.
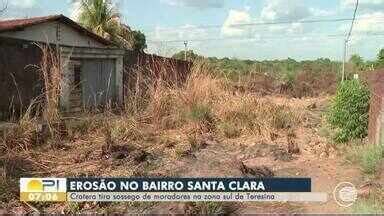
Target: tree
x: 349, y: 109
x: 380, y: 58
x: 131, y: 39
x: 139, y: 41
x: 191, y: 56
x: 357, y: 63
x: 356, y: 60
x: 101, y: 17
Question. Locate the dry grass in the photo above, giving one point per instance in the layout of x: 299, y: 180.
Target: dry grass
x: 19, y: 140
x: 170, y: 105
x: 205, y: 103
x: 201, y: 87
x: 166, y: 121
x: 162, y: 105
x: 250, y: 115
x: 51, y: 71
x: 28, y: 130
x: 23, y: 135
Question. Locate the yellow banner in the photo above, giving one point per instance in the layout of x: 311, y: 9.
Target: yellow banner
x: 43, y: 196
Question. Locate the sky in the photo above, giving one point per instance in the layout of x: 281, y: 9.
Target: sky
x: 237, y: 28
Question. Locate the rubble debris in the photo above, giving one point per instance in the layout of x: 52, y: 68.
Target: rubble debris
x: 116, y: 152
x: 367, y: 189
x: 139, y: 156
x: 259, y: 171
x: 282, y: 155
x: 292, y: 146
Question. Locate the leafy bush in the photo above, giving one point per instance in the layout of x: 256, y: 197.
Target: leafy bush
x: 349, y: 111
x: 371, y: 158
x: 368, y: 156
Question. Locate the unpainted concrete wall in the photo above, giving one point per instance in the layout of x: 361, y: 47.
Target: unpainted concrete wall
x: 54, y: 32
x: 376, y: 108
x: 20, y: 82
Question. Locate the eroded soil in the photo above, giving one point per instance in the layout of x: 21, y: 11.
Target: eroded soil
x: 216, y: 157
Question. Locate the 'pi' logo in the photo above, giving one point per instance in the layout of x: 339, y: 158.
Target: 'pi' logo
x: 44, y: 185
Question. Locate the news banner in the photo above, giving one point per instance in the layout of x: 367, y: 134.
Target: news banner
x: 168, y: 189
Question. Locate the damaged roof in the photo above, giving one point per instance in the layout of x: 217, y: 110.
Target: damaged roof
x: 20, y: 24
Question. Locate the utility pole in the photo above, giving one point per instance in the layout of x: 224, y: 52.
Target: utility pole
x: 186, y: 49
x: 347, y: 40
x: 344, y: 59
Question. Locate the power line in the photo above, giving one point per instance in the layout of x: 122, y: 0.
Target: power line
x: 261, y: 23
x: 258, y: 23
x: 347, y: 39
x: 353, y: 20
x: 230, y: 39
x: 262, y: 38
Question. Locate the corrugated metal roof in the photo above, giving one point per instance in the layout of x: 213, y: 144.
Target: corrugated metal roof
x: 20, y: 24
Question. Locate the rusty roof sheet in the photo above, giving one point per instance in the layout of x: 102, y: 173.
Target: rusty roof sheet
x: 20, y: 24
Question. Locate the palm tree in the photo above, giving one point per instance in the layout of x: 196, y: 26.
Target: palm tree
x: 101, y: 17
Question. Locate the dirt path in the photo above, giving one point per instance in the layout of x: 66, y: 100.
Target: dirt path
x: 317, y: 160
x: 325, y: 173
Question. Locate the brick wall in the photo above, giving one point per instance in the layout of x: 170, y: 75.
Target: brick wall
x: 153, y: 67
x: 376, y: 84
x: 20, y: 81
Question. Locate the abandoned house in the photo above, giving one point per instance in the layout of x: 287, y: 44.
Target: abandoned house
x: 92, y: 66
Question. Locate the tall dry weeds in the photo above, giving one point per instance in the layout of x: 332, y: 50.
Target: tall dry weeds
x: 252, y: 115
x: 27, y: 132
x: 204, y: 102
x: 172, y: 104
x: 51, y: 71
x: 201, y: 87
x: 137, y: 89
x: 23, y: 135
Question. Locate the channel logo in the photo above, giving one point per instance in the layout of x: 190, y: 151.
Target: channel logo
x: 345, y: 194
x: 43, y: 189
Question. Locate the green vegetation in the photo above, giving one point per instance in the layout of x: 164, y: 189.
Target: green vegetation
x: 203, y: 115
x: 369, y: 157
x: 100, y: 16
x: 286, y: 70
x: 139, y: 41
x: 368, y: 206
x: 380, y: 58
x: 349, y: 111
x: 103, y: 18
x: 200, y: 112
